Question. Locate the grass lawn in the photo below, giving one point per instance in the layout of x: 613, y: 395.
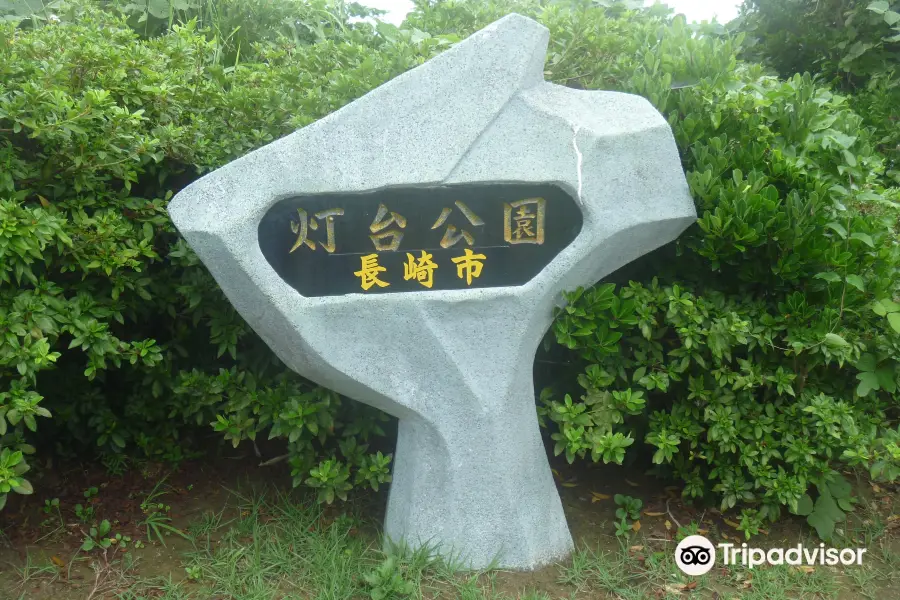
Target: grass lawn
x: 258, y: 540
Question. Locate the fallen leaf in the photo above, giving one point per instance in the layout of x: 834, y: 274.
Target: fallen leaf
x: 747, y: 584
x: 876, y: 489
x: 668, y: 524
x: 631, y: 483
x: 690, y: 586
x: 44, y: 201
x: 647, y: 513
x: 806, y: 568
x: 556, y: 473
x: 635, y: 548
x: 57, y: 561
x: 702, y: 531
x: 731, y: 523
x: 676, y: 588
x: 725, y: 535
x: 569, y: 484
x: 597, y: 497
x: 636, y: 526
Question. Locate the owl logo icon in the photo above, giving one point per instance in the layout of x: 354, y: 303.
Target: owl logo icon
x: 695, y: 555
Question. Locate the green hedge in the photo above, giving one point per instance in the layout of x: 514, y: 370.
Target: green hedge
x: 758, y: 355
x: 852, y: 44
x: 108, y: 320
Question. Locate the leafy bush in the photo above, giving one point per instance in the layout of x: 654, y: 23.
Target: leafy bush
x: 748, y: 363
x: 748, y: 354
x: 754, y: 357
x: 109, y: 322
x: 628, y: 514
x: 852, y: 44
x: 388, y: 582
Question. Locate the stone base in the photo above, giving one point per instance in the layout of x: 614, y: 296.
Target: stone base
x: 487, y: 502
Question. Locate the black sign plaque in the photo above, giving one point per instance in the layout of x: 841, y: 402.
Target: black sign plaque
x: 417, y: 239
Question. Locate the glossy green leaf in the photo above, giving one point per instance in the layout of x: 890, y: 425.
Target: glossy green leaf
x: 835, y: 341
x: 804, y: 505
x: 864, y: 238
x: 856, y: 281
x: 894, y: 319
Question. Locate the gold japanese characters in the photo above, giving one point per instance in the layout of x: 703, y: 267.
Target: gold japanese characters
x: 421, y: 269
x: 302, y: 228
x: 526, y: 224
x: 451, y: 235
x: 523, y: 223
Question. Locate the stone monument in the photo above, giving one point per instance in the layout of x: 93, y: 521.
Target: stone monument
x: 408, y: 250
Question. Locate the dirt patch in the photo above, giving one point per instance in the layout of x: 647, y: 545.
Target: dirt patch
x: 40, y: 546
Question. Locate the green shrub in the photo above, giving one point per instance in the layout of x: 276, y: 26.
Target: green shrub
x: 109, y: 322
x: 757, y: 360
x: 852, y: 44
x: 753, y: 358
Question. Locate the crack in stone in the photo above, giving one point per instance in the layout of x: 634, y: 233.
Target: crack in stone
x: 578, y: 156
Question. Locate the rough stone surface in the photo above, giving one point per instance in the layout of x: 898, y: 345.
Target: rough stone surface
x: 471, y: 475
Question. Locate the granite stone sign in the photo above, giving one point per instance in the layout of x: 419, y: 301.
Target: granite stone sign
x: 408, y: 251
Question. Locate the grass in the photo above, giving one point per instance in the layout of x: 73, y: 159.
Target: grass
x: 280, y: 546
x: 783, y: 582
x: 866, y: 528
x: 273, y: 544
x: 31, y: 571
x: 156, y: 519
x: 630, y: 573
x: 596, y: 570
x: 158, y: 589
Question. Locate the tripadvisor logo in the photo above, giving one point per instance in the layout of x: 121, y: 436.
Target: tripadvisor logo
x: 696, y: 555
